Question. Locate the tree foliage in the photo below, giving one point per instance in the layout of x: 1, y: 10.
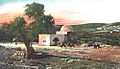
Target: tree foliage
x: 39, y: 23
x: 34, y: 9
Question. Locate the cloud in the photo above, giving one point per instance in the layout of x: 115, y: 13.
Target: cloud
x: 12, y: 7
x: 82, y: 10
x: 92, y: 11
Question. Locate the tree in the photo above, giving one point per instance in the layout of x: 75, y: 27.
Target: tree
x: 5, y: 34
x: 38, y: 23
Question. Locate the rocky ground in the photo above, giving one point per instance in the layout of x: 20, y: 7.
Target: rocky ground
x: 79, y: 57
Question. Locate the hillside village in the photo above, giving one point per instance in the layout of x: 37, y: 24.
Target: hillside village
x: 110, y: 28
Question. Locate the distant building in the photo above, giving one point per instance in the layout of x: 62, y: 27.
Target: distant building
x: 65, y: 33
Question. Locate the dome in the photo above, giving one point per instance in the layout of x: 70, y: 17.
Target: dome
x: 66, y: 28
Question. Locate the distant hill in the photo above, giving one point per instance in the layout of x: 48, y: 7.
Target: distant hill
x: 90, y: 25
x: 87, y: 27
x: 115, y: 23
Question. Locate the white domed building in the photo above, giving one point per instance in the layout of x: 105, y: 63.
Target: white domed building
x: 66, y: 28
x: 65, y: 33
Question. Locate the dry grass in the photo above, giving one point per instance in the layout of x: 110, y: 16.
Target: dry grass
x: 110, y: 53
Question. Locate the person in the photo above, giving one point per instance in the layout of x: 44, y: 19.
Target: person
x: 15, y: 40
x: 96, y: 45
x: 31, y: 44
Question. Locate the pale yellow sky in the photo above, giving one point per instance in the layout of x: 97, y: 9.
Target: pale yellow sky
x: 81, y: 10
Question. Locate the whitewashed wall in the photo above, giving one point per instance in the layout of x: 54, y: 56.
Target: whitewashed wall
x: 47, y: 39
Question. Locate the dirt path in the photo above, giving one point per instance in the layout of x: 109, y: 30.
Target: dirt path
x: 78, y: 57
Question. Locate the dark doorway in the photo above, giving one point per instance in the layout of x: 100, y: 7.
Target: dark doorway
x: 56, y: 40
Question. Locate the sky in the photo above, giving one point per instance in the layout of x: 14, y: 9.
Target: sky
x: 71, y: 11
